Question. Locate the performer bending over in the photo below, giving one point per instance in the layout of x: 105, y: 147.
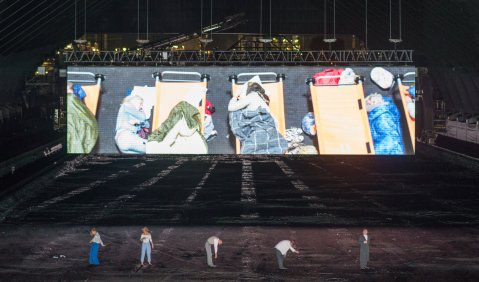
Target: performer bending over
x: 282, y: 249
x: 212, y: 241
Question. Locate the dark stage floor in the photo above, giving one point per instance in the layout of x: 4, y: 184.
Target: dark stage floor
x: 421, y: 210
x: 326, y: 254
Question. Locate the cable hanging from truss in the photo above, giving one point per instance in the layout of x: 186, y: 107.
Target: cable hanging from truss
x: 147, y: 20
x: 398, y: 39
x: 264, y: 39
x: 75, y: 34
x: 204, y: 38
x: 84, y: 21
x: 366, y: 26
x: 80, y: 40
x: 138, y: 20
x: 328, y: 39
x: 211, y: 19
x: 138, y: 39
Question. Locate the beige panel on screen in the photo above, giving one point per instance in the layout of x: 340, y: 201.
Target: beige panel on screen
x: 411, y: 123
x: 92, y: 97
x: 341, y: 120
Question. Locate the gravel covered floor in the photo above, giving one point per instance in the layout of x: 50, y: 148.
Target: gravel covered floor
x: 326, y: 254
x: 421, y: 211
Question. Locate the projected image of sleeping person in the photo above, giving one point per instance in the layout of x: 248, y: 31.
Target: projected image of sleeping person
x: 267, y: 110
x: 384, y: 120
x: 181, y: 133
x: 402, y: 96
x: 131, y: 121
x: 82, y: 126
x: 252, y: 123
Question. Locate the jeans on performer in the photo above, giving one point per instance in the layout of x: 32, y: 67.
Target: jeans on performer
x: 145, y: 250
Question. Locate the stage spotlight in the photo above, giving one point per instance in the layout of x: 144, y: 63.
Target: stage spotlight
x: 330, y: 40
x: 205, y: 40
x: 265, y: 39
x: 142, y: 41
x: 395, y: 40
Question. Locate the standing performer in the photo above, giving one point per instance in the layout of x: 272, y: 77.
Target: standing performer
x: 215, y: 241
x: 364, y: 242
x: 147, y: 245
x: 95, y: 243
x: 282, y: 249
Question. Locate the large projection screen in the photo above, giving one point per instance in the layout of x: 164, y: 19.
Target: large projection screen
x: 232, y: 110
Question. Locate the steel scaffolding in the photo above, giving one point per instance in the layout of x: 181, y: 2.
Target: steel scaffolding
x: 139, y: 57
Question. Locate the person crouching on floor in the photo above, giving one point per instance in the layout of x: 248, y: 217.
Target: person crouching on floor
x: 282, y: 248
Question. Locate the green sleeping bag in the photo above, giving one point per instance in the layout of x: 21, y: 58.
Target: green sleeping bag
x: 82, y: 127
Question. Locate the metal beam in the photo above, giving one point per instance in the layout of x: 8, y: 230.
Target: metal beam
x: 238, y: 57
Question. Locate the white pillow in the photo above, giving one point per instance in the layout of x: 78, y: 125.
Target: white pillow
x: 382, y: 77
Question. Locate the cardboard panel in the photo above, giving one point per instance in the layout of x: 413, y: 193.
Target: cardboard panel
x: 411, y: 123
x: 92, y: 97
x: 341, y: 120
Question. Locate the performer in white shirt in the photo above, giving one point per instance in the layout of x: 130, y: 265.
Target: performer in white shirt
x: 212, y: 241
x: 282, y: 249
x: 147, y: 245
x: 95, y: 243
x: 364, y: 243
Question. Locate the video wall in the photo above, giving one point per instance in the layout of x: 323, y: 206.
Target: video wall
x: 306, y: 110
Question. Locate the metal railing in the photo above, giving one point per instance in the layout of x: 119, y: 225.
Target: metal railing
x: 139, y: 57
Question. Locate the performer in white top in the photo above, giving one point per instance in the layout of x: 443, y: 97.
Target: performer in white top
x: 95, y: 243
x: 147, y: 245
x: 212, y: 241
x: 282, y: 249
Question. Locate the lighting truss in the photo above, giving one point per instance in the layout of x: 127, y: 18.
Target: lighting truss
x: 138, y: 57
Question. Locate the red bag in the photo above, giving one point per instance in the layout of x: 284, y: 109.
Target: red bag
x: 209, y: 109
x: 328, y: 77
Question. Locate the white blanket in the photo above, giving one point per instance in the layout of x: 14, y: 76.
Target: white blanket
x: 180, y: 140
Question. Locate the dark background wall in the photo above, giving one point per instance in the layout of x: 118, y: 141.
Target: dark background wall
x: 443, y: 33
x: 432, y: 27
